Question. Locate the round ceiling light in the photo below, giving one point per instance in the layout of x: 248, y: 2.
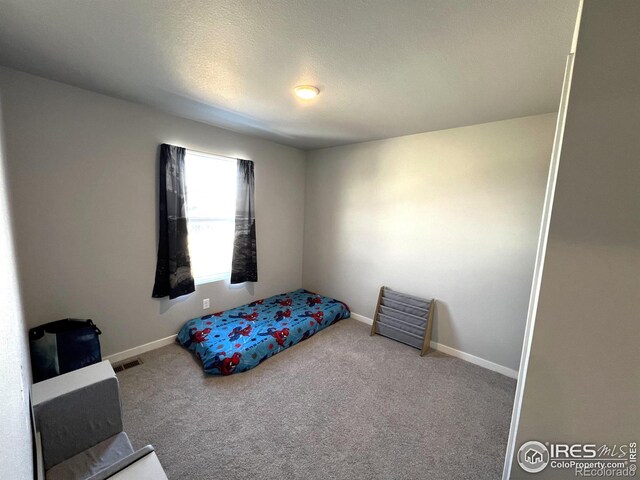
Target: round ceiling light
x: 306, y: 92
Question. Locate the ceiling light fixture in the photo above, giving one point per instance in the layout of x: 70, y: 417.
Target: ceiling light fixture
x: 306, y: 92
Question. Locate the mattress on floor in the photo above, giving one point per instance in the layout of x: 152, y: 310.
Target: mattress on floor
x: 239, y: 339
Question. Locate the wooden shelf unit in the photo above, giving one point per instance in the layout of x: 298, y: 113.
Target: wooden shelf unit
x: 404, y: 318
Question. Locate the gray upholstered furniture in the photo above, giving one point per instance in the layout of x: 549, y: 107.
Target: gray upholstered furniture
x: 79, y: 432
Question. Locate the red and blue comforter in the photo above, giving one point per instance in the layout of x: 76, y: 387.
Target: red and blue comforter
x: 236, y: 340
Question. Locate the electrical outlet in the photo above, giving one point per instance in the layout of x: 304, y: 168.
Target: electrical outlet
x: 205, y: 304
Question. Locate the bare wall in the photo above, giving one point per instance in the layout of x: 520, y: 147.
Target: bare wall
x: 16, y: 454
x: 452, y: 214
x: 83, y: 170
x: 582, y: 383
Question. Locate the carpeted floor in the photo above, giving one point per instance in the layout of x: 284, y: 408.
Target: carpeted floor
x: 341, y: 405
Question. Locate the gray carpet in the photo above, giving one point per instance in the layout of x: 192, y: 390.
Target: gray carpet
x: 341, y: 405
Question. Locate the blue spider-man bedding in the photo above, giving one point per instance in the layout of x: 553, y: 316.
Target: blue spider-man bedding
x: 239, y: 339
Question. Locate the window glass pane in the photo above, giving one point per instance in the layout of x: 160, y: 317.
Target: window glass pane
x: 211, y: 204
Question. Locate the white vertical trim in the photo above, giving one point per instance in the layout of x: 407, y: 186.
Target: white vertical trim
x: 481, y: 362
x: 539, y: 265
x: 576, y: 29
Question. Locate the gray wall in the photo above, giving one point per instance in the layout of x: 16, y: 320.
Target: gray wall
x: 452, y: 214
x: 83, y: 171
x: 583, y: 382
x: 16, y: 456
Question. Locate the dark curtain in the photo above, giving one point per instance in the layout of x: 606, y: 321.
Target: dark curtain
x: 244, y: 267
x: 173, y: 270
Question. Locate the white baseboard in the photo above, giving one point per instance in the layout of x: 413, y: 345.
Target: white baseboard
x: 132, y: 352
x: 135, y: 351
x: 481, y: 362
x: 361, y: 318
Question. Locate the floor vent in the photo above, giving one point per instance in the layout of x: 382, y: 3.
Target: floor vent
x: 126, y: 365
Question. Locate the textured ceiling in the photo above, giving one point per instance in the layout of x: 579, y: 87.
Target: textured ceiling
x: 384, y: 68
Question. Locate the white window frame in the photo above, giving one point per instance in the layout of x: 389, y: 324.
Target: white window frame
x: 226, y: 275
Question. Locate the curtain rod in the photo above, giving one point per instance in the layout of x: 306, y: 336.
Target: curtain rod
x: 214, y: 154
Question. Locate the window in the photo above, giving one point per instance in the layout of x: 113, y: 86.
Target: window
x: 211, y: 210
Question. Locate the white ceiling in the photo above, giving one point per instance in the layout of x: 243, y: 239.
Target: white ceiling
x: 384, y: 67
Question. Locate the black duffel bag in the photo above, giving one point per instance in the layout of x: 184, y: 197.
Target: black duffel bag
x: 62, y: 346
